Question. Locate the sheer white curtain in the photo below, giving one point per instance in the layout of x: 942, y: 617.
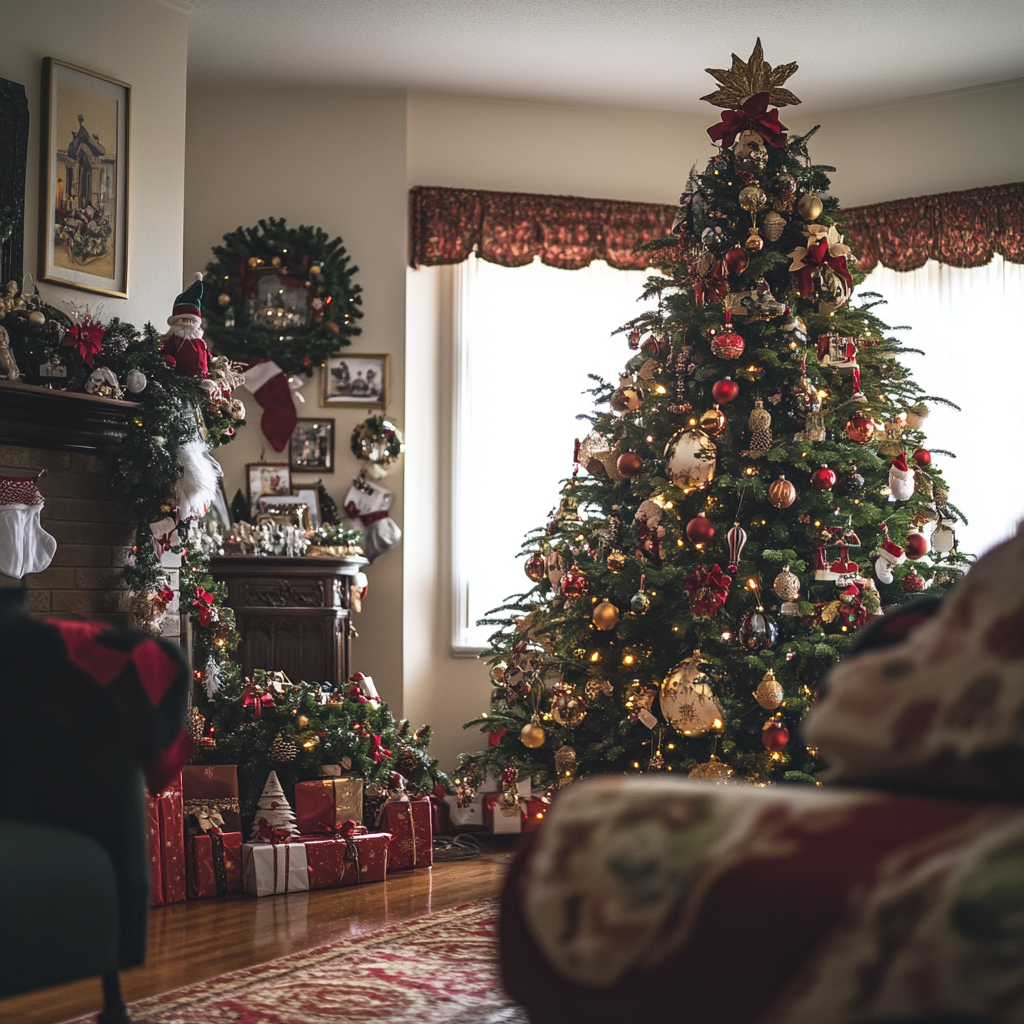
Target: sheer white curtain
x: 969, y: 324
x: 526, y: 338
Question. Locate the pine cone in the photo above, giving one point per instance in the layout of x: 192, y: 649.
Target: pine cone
x: 194, y: 725
x: 282, y: 750
x: 407, y: 763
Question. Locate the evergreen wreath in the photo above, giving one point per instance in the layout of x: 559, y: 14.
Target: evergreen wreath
x: 303, y: 257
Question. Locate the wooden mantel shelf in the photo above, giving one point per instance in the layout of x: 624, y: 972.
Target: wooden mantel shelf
x: 39, y: 418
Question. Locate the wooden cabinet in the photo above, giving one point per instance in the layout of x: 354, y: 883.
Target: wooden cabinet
x: 292, y: 613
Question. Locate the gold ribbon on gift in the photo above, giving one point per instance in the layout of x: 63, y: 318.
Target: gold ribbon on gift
x: 219, y: 804
x: 412, y: 832
x: 207, y: 817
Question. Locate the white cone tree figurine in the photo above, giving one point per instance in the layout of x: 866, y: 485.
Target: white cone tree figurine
x: 273, y: 811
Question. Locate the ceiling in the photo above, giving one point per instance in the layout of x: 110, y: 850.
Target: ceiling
x: 634, y: 53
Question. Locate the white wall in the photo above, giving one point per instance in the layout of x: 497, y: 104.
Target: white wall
x: 143, y: 43
x: 335, y: 159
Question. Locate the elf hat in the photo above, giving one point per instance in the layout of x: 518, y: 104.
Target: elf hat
x: 900, y: 462
x: 190, y: 301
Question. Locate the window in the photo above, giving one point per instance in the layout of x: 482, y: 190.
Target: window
x: 526, y: 338
x: 968, y: 323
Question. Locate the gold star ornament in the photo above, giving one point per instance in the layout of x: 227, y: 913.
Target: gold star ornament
x: 744, y: 80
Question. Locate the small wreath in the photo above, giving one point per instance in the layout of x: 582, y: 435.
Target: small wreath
x: 280, y: 293
x: 377, y: 442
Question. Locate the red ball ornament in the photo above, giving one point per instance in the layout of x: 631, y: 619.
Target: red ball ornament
x: 725, y: 391
x: 727, y: 345
x: 700, y: 530
x: 775, y: 737
x: 736, y: 261
x: 859, y: 428
x: 824, y: 479
x: 912, y: 583
x: 629, y: 464
x: 574, y: 583
x: 916, y: 546
x: 922, y: 458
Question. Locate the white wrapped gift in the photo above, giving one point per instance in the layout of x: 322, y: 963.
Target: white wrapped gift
x: 269, y: 869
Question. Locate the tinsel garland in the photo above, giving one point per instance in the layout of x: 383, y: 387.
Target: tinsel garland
x: 303, y: 257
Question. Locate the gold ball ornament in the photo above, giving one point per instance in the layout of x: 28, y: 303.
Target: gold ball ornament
x: 781, y: 493
x: 605, y: 615
x: 755, y: 243
x: 37, y: 317
x: 533, y: 735
x: 276, y: 261
x: 752, y: 199
x: 711, y: 770
x: 627, y: 397
x: 690, y: 459
x: 687, y: 701
x: 223, y: 299
x: 535, y: 567
x: 787, y: 585
x: 315, y: 270
x: 616, y: 562
x: 713, y: 421
x: 809, y: 207
x: 769, y: 692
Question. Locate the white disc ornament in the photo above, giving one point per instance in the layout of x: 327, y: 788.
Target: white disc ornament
x: 690, y: 459
x: 135, y: 380
x: 687, y: 701
x: 943, y: 537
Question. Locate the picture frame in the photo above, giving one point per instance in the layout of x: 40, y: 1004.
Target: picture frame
x: 267, y: 478
x: 311, y: 497
x: 311, y: 448
x: 356, y: 381
x: 83, y: 194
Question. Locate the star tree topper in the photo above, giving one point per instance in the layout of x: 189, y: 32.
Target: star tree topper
x: 755, y: 76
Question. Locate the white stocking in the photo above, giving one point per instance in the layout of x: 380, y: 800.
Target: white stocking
x: 24, y: 545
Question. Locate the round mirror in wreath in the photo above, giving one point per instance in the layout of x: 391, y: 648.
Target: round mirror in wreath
x: 280, y: 293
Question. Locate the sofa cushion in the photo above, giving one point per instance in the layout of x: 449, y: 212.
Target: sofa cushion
x: 943, y: 711
x: 59, y: 905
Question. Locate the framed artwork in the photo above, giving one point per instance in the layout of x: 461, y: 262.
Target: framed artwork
x: 267, y: 478
x: 360, y: 381
x: 310, y: 496
x: 83, y: 223
x: 289, y: 509
x: 311, y: 449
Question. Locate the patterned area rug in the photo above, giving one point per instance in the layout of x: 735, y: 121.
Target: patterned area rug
x: 439, y: 968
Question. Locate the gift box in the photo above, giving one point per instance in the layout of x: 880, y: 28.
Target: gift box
x: 324, y: 804
x: 213, y: 864
x: 165, y: 826
x: 496, y: 822
x: 210, y: 793
x: 340, y: 860
x: 412, y: 834
x: 471, y: 816
x: 534, y: 814
x: 269, y: 869
x: 441, y: 820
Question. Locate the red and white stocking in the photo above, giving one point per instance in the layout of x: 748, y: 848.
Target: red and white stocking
x: 24, y: 545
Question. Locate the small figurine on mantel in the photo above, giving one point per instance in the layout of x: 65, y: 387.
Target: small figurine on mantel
x: 184, y: 348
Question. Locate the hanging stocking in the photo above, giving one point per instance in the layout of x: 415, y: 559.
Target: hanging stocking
x: 24, y: 545
x: 270, y: 387
x: 369, y: 504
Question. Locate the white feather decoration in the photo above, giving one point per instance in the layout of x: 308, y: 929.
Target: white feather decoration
x: 199, y: 479
x: 211, y: 678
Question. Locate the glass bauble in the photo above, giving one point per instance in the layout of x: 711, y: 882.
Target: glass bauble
x: 775, y: 737
x: 640, y: 602
x: 533, y: 735
x: 809, y: 207
x: 724, y: 391
x: 752, y: 198
x: 616, y: 561
x: 574, y: 582
x: 687, y: 701
x: 711, y: 770
x: 627, y: 398
x: 535, y: 567
x: 727, y: 345
x: 781, y: 493
x: 787, y: 585
x: 690, y: 459
x: 823, y: 479
x: 605, y: 615
x: 713, y: 421
x: 769, y: 692
x: 700, y: 530
x: 758, y: 631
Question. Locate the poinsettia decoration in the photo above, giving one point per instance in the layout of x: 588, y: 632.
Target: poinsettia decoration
x: 85, y: 338
x: 708, y: 589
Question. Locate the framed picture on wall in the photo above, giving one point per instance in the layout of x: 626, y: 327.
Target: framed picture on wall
x: 360, y: 381
x: 267, y: 478
x: 311, y: 449
x: 83, y: 223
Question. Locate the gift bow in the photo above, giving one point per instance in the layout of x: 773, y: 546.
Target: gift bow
x: 269, y: 834
x: 712, y: 286
x: 86, y: 340
x: 817, y: 256
x: 208, y: 818
x: 370, y: 517
x: 708, y: 589
x: 755, y: 116
x: 252, y: 698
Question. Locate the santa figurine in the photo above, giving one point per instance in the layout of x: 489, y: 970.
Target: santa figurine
x: 183, y: 345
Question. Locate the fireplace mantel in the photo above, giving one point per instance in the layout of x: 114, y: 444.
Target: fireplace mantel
x: 66, y: 420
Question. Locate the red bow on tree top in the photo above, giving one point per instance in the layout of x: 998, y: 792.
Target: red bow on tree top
x: 755, y: 116
x: 87, y: 340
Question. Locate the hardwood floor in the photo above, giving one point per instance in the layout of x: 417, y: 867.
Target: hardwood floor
x: 203, y: 938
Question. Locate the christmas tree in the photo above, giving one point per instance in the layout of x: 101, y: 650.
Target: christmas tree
x: 710, y: 557
x: 273, y: 813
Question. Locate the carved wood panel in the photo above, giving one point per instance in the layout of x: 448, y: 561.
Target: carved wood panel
x: 280, y: 593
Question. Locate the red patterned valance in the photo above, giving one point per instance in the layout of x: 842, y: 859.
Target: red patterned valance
x: 961, y: 229
x: 511, y: 228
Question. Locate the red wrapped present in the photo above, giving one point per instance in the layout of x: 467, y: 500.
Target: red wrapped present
x: 166, y: 828
x: 213, y: 864
x: 210, y: 794
x: 534, y: 814
x: 441, y: 819
x: 322, y: 805
x: 412, y: 834
x: 498, y: 823
x: 350, y: 857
